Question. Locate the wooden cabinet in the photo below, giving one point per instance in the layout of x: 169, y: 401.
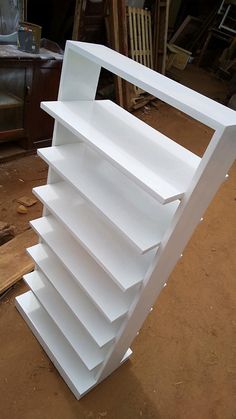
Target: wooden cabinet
x: 26, y: 80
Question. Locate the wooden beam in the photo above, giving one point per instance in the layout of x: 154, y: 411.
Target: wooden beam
x: 115, y: 44
x: 119, y: 42
x: 14, y: 261
x: 161, y: 17
x: 123, y: 44
x: 77, y: 17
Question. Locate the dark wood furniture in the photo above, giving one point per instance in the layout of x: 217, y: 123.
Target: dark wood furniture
x: 25, y: 81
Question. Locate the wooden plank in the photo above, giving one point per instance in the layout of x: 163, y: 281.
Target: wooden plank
x: 12, y: 134
x: 140, y: 39
x: 161, y: 16
x: 123, y: 45
x: 131, y: 33
x: 143, y: 36
x: 115, y: 43
x: 180, y: 29
x: 135, y: 54
x: 14, y: 261
x: 150, y: 40
x: 77, y: 18
x: 147, y: 47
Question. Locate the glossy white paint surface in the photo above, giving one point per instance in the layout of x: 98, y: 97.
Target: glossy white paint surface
x: 69, y: 365
x: 89, y: 276
x: 163, y: 168
x: 82, y: 307
x: 121, y: 203
x: 79, y: 339
x: 111, y: 252
x: 175, y: 94
x: 105, y: 188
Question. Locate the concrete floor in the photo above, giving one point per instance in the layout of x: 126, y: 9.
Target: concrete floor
x: 184, y: 361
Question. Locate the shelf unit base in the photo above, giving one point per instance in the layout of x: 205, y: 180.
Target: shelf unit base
x: 59, y: 351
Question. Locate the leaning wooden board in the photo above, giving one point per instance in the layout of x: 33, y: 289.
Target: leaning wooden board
x: 14, y: 261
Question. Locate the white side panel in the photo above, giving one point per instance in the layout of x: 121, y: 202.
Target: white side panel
x: 79, y: 77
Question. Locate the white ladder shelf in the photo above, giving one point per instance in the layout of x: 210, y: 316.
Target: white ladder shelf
x: 121, y: 202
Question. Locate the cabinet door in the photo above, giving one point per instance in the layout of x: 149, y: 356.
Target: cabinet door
x: 12, y: 96
x: 45, y: 85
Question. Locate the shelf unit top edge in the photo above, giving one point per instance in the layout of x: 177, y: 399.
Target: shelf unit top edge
x: 192, y: 103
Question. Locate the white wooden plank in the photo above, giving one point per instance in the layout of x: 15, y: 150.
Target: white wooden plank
x: 198, y: 106
x: 108, y: 248
x: 87, y: 314
x: 155, y: 162
x: 135, y: 213
x: 73, y: 371
x: 87, y: 350
x: 104, y: 293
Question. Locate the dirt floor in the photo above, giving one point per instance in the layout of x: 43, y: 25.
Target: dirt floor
x: 184, y: 360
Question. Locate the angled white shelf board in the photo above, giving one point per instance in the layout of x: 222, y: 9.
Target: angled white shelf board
x: 163, y: 168
x: 104, y: 187
x: 121, y: 203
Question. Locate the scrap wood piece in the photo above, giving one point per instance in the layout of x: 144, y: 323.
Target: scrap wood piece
x: 14, y: 261
x: 22, y: 209
x: 7, y: 232
x: 141, y: 101
x: 27, y: 201
x: 186, y: 34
